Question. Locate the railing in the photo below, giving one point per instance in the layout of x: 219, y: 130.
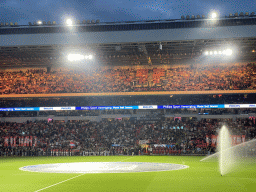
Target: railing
x: 52, y: 152
x: 70, y: 152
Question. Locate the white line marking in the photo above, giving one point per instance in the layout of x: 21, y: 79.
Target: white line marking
x: 127, y: 158
x: 59, y: 183
x: 70, y: 179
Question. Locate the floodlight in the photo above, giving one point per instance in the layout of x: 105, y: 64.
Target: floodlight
x: 214, y: 15
x: 206, y: 53
x: 90, y: 57
x: 227, y: 52
x: 215, y: 52
x: 39, y: 22
x: 75, y: 57
x: 69, y: 22
x: 210, y: 52
x: 220, y: 52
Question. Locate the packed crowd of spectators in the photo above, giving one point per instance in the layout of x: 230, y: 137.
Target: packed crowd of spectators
x: 112, y: 135
x: 117, y: 135
x: 130, y: 79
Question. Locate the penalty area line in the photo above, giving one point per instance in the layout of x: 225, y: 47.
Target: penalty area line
x: 59, y: 182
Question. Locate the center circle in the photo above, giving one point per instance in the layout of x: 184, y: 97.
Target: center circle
x: 103, y: 167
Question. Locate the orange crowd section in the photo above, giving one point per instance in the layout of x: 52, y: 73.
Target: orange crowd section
x: 129, y: 80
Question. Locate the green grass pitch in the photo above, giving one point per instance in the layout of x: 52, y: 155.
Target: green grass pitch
x: 200, y: 176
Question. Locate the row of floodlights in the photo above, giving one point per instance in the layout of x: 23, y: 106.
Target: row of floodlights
x: 42, y: 23
x: 226, y: 52
x: 241, y: 14
x: 9, y: 24
x: 192, y: 17
x: 68, y: 22
x: 78, y: 57
x: 214, y: 15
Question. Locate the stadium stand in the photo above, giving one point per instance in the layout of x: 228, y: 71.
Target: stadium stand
x: 236, y: 76
x: 162, y: 133
x: 179, y: 136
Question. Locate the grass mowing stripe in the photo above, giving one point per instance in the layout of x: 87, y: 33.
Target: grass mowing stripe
x: 70, y: 179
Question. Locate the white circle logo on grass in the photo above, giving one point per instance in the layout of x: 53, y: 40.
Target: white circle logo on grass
x: 103, y: 167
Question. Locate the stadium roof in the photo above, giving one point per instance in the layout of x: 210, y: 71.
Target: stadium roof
x: 126, y: 53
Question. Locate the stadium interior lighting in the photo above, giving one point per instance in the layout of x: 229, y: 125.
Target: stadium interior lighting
x: 226, y: 52
x: 39, y: 22
x: 78, y: 57
x: 69, y: 22
x: 88, y: 57
x: 75, y: 57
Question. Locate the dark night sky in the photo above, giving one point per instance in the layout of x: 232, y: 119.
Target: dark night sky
x: 23, y: 11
